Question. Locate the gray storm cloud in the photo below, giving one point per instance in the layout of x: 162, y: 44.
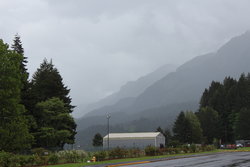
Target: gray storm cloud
x: 98, y: 45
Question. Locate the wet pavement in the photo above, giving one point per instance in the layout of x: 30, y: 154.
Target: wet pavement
x: 232, y: 159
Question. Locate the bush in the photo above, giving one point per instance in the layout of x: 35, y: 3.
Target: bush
x: 72, y: 156
x: 135, y: 152
x: 9, y: 160
x: 150, y: 151
x: 174, y: 143
x: 100, y: 155
x: 208, y: 148
x: 53, y: 159
x: 185, y: 149
x: 26, y: 160
x: 118, y: 153
x: 39, y: 151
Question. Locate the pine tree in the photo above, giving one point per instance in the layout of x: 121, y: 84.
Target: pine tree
x: 18, y: 48
x: 97, y: 140
x: 209, y: 120
x: 187, y: 128
x: 242, y: 126
x: 181, y: 128
x: 227, y: 99
x: 46, y: 84
x: 14, y: 135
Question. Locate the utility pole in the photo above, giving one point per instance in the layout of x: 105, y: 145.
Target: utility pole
x: 108, y: 117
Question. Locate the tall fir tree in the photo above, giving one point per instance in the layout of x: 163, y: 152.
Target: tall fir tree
x: 209, y: 120
x: 187, y: 128
x: 242, y: 126
x: 227, y: 98
x: 181, y: 129
x: 18, y: 48
x: 14, y: 134
x: 47, y: 83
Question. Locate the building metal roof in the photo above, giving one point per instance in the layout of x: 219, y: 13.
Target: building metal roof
x: 132, y: 135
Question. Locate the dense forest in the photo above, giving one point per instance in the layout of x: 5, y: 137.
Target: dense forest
x: 223, y: 115
x: 34, y: 112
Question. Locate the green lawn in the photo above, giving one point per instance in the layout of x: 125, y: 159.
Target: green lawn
x: 127, y: 159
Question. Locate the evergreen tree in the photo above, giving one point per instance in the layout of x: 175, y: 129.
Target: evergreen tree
x: 227, y: 99
x: 209, y: 120
x: 195, y: 127
x: 187, y: 128
x: 97, y: 140
x: 182, y: 128
x: 242, y: 126
x: 55, y: 125
x: 25, y: 95
x: 159, y: 129
x: 46, y: 84
x: 168, y: 136
x: 14, y: 135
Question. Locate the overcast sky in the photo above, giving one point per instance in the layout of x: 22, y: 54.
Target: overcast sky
x: 98, y: 45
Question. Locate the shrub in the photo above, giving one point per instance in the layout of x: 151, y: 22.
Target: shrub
x: 195, y: 148
x: 39, y: 151
x: 208, y: 148
x: 53, y: 159
x: 174, y: 143
x: 184, y: 149
x: 72, y: 156
x: 118, y: 153
x: 100, y: 155
x: 135, y: 152
x: 150, y: 151
x: 9, y: 160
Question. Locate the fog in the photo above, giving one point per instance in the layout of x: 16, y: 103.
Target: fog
x: 99, y: 45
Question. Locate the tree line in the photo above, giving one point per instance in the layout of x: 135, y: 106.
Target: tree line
x: 223, y: 115
x: 34, y: 112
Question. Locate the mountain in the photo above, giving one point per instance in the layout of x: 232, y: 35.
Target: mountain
x: 122, y: 99
x: 190, y: 79
x: 125, y: 96
x: 159, y: 103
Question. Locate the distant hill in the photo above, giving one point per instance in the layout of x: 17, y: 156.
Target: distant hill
x: 190, y: 79
x: 130, y: 90
x: 123, y: 98
x: 159, y: 103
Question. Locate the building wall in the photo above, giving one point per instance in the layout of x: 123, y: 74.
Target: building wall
x: 129, y: 143
x: 134, y: 142
x: 160, y: 139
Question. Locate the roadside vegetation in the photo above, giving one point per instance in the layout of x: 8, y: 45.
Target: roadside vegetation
x: 42, y: 157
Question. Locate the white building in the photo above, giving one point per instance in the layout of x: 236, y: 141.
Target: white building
x: 134, y: 140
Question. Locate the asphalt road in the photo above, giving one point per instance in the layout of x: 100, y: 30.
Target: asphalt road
x: 231, y: 159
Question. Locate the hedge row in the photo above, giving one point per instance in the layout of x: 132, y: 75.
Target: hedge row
x: 149, y: 151
x: 41, y: 158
